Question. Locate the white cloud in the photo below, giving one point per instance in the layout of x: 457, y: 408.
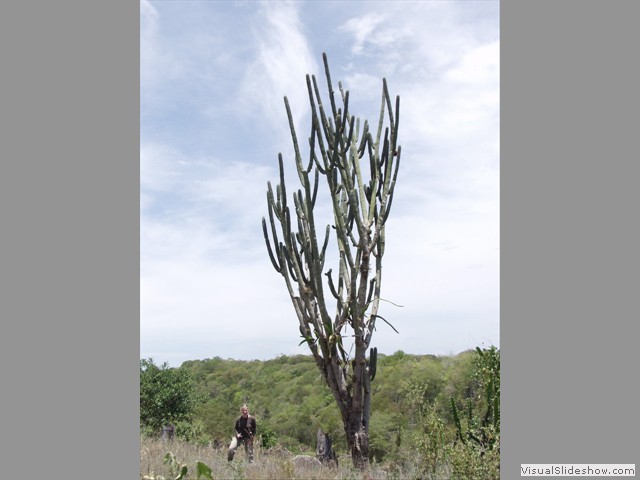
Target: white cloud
x: 479, y: 65
x: 159, y: 167
x: 205, y: 279
x: 157, y: 63
x: 147, y: 11
x: 283, y: 58
x: 362, y: 29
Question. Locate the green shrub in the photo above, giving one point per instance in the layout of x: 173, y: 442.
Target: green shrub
x: 167, y: 395
x: 267, y: 436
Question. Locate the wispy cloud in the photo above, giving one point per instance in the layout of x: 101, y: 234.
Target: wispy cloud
x: 283, y: 57
x: 363, y: 29
x: 158, y: 64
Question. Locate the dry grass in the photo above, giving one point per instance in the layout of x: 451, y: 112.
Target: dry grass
x: 275, y: 464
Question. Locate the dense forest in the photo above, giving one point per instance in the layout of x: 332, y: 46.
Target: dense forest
x: 422, y: 405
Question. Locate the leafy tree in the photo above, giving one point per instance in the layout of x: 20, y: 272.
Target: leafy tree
x: 166, y: 395
x: 361, y: 194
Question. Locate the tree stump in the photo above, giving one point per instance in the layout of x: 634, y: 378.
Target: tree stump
x: 324, y: 451
x: 168, y: 432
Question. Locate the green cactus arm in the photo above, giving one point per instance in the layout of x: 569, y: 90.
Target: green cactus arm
x: 332, y: 287
x: 329, y: 84
x: 323, y: 120
x: 302, y: 174
x: 387, y: 99
x: 325, y: 244
x: 316, y: 182
x: 373, y: 363
x: 274, y: 262
x: 456, y: 420
x: 318, y: 127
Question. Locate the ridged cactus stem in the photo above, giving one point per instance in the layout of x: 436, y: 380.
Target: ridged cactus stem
x: 373, y: 363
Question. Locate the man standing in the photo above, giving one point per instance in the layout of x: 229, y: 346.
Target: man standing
x: 245, y: 430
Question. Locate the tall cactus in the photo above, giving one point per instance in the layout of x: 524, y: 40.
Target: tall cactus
x: 485, y: 432
x: 360, y: 167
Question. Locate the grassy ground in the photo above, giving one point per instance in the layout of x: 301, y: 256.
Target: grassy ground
x: 274, y: 464
x: 278, y: 464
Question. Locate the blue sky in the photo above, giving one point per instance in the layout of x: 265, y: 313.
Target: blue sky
x: 213, y: 77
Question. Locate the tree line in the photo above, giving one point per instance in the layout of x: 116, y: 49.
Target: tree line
x: 421, y: 404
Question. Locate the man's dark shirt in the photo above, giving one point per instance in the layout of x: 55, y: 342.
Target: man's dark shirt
x: 246, y: 426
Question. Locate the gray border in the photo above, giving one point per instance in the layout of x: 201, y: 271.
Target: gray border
x: 570, y: 236
x: 70, y: 268
x: 69, y: 191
